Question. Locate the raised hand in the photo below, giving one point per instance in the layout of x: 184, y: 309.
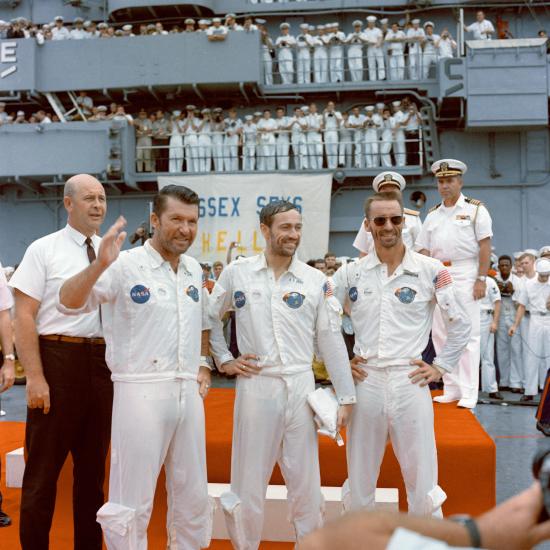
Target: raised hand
x: 111, y: 243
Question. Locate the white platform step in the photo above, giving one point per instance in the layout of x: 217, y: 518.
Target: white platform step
x: 276, y: 525
x: 15, y: 466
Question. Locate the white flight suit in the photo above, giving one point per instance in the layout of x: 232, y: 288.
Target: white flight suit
x: 375, y: 53
x: 534, y: 295
x: 413, y: 225
x: 267, y: 47
x: 372, y: 126
x: 283, y: 142
x: 250, y: 137
x: 355, y: 42
x: 452, y: 234
x: 175, y: 155
x: 429, y: 55
x: 299, y: 143
x: 314, y: 141
x: 218, y: 149
x: 153, y: 319
x: 285, y: 58
x: 280, y: 321
x: 191, y: 143
x: 231, y: 144
x: 205, y: 147
x: 392, y: 317
x: 386, y: 140
x: 509, y: 352
x: 320, y: 60
x: 267, y: 146
x: 336, y: 56
x: 487, y: 338
x: 304, y: 42
x: 358, y: 136
x: 415, y: 53
x: 399, y: 147
x: 396, y: 55
x: 332, y: 123
x: 345, y: 147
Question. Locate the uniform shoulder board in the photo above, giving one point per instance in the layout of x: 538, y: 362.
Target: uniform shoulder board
x: 411, y: 212
x: 475, y: 202
x: 434, y: 208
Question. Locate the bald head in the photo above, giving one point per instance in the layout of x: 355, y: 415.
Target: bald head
x: 86, y: 204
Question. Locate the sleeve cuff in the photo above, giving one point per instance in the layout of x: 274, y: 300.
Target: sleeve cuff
x: 441, y: 368
x: 348, y: 400
x: 220, y: 361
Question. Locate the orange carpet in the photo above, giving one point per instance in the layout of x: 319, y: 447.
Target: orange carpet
x: 467, y: 468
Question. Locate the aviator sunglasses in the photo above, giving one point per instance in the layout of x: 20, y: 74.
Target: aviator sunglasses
x: 380, y: 221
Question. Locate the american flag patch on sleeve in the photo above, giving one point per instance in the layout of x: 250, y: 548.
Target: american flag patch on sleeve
x: 443, y: 279
x: 327, y: 289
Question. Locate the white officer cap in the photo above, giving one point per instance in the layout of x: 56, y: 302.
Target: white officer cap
x: 258, y: 113
x: 531, y: 252
x: 205, y: 111
x: 542, y: 266
x: 384, y: 21
x: 78, y: 20
x: 87, y: 24
x: 102, y: 108
x: 177, y: 112
x: 202, y: 21
x: 230, y: 15
x: 305, y: 109
x: 190, y: 21
x: 396, y: 103
x: 58, y: 18
x: 371, y: 18
x: 304, y: 26
x: 415, y: 21
x: 544, y: 251
x: 321, y: 27
x: 217, y: 110
x: 448, y: 167
x: 105, y: 26
x: 207, y: 22
x: 216, y: 20
x: 20, y: 113
x: 388, y: 178
x: 190, y: 107
x: 429, y: 24
x: 248, y: 117
x: 127, y: 27
x: 260, y: 21
x: 380, y: 105
x: 369, y: 108
x: 357, y: 23
x: 284, y: 25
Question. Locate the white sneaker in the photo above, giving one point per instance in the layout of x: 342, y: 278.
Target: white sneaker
x: 445, y: 398
x: 467, y: 403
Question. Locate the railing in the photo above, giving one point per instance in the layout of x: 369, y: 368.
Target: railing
x: 212, y: 152
x: 324, y: 66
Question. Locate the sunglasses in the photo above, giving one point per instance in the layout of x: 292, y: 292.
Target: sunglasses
x: 380, y: 221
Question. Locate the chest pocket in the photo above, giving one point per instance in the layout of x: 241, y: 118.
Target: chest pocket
x: 462, y: 221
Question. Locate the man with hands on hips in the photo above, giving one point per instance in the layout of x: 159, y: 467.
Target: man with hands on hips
x: 156, y: 322
x: 392, y: 294
x: 285, y: 311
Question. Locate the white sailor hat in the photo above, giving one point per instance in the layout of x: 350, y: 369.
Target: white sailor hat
x: 257, y: 113
x: 544, y: 251
x: 311, y: 27
x: 531, y: 252
x: 304, y: 26
x: 102, y: 108
x: 207, y: 22
x: 127, y: 27
x: 388, y: 178
x: 248, y: 117
x: 396, y: 103
x: 119, y: 32
x: 20, y: 113
x: 190, y: 107
x: 415, y: 21
x: 205, y: 111
x: 517, y: 255
x: 105, y: 26
x: 58, y: 18
x: 321, y: 27
x: 305, y: 109
x: 230, y: 15
x: 384, y: 21
x: 380, y: 105
x: 371, y: 18
x: 428, y: 24
x: 190, y: 21
x: 202, y: 21
x: 284, y: 25
x: 357, y: 23
x: 217, y: 110
x: 448, y: 167
x: 3, y: 23
x: 260, y: 21
x: 336, y: 24
x: 78, y: 20
x: 216, y: 20
x: 369, y: 108
x: 177, y: 112
x: 87, y: 24
x: 542, y: 266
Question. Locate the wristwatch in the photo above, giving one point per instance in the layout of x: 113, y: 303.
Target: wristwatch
x: 471, y: 527
x: 482, y: 278
x: 9, y: 357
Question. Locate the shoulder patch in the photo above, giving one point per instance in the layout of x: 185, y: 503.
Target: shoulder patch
x: 434, y: 208
x: 411, y: 212
x: 475, y: 202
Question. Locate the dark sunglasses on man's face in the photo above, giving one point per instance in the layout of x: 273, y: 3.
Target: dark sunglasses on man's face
x: 380, y: 221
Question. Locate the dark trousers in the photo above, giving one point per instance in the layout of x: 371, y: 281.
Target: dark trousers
x: 543, y: 412
x: 79, y: 422
x: 412, y: 147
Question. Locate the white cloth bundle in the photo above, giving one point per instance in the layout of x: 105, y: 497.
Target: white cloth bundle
x: 325, y: 406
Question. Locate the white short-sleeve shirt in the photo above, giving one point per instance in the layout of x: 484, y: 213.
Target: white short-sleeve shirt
x: 492, y: 295
x: 6, y: 299
x: 47, y: 263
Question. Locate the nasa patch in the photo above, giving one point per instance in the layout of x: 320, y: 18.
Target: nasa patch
x: 240, y: 299
x: 193, y: 293
x: 293, y: 300
x: 353, y: 294
x: 140, y: 294
x: 405, y: 295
